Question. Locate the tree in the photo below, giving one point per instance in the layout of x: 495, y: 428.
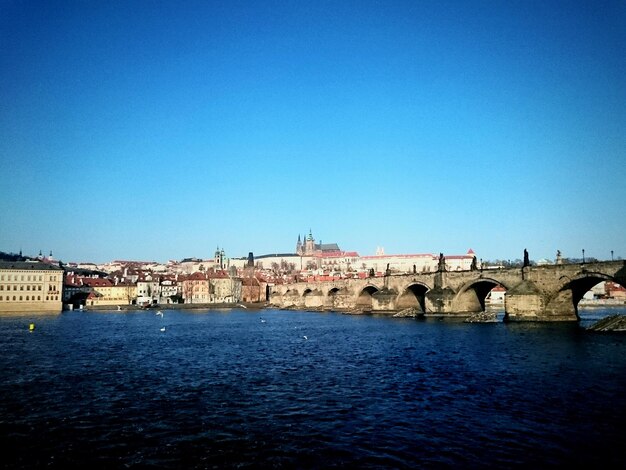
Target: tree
x: 129, y: 293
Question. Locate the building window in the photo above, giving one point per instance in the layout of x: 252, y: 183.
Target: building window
x: 13, y: 298
x: 38, y: 287
x: 27, y: 297
x: 20, y: 298
x: 38, y: 297
x: 27, y: 287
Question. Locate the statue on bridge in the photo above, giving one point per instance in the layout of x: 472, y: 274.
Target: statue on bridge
x: 474, y: 265
x: 559, y: 258
x: 442, y: 263
x: 526, y: 260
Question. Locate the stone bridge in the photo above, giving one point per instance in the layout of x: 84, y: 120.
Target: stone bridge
x: 533, y: 293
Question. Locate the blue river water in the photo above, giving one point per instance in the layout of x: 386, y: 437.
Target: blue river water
x: 279, y: 389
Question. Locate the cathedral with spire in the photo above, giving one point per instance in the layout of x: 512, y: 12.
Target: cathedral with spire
x: 308, y: 247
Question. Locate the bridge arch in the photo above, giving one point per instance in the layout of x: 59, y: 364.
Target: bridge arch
x: 572, y: 290
x: 364, y: 300
x: 472, y: 296
x: 288, y: 298
x: 331, y: 298
x: 413, y: 296
x: 333, y: 291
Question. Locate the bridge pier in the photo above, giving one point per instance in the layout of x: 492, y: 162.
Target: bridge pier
x: 339, y: 300
x: 440, y: 300
x: 313, y: 299
x: 562, y: 308
x: 384, y: 300
x: 525, y: 302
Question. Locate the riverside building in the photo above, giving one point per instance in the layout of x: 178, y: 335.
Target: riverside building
x: 30, y: 287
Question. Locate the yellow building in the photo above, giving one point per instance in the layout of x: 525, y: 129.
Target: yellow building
x: 30, y: 287
x: 103, y: 292
x: 210, y: 288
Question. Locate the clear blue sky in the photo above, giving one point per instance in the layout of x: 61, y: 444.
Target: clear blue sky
x: 158, y: 130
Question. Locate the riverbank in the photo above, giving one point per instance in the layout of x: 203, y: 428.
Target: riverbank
x: 601, y: 303
x: 212, y: 306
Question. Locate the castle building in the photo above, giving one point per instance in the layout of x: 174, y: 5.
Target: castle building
x: 310, y: 248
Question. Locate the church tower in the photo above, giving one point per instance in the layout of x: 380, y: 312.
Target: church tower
x: 219, y: 258
x: 299, y: 249
x: 309, y: 245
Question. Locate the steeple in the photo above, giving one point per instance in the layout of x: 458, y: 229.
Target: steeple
x: 309, y: 245
x: 299, y: 246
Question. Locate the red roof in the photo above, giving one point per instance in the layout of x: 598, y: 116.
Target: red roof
x: 92, y: 282
x: 338, y: 254
x: 197, y: 276
x: 423, y: 255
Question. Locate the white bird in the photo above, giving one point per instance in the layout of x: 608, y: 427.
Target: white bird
x: 163, y: 329
x: 119, y: 308
x: 160, y: 313
x: 262, y: 320
x: 305, y: 337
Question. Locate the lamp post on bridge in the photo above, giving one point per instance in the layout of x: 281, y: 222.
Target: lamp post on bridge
x: 583, y: 256
x: 611, y: 255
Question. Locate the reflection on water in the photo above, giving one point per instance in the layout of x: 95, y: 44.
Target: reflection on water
x: 308, y: 390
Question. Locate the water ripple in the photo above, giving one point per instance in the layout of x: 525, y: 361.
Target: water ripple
x: 222, y: 390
